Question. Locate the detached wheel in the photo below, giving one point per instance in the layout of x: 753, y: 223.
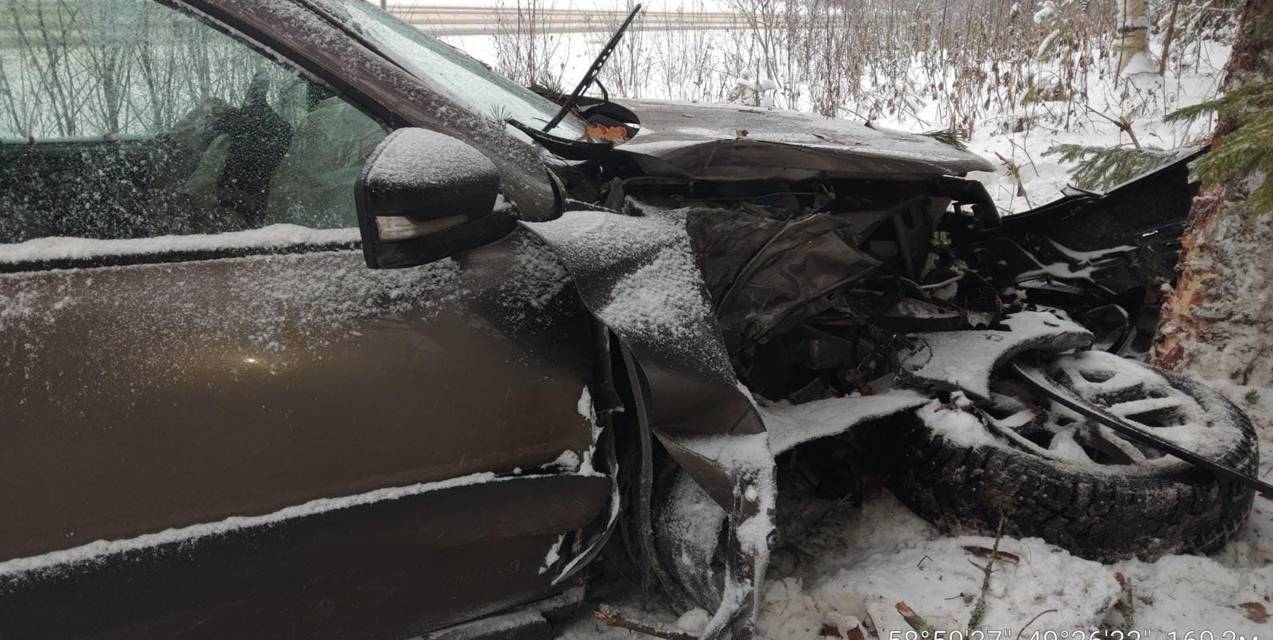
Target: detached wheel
x: 1056, y: 475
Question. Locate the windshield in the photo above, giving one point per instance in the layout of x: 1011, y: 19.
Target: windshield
x: 485, y: 92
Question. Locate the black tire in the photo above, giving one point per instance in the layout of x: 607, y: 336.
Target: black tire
x: 1102, y: 517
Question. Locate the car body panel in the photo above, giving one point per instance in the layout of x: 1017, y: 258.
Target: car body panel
x: 1118, y: 248
x: 736, y: 142
x: 682, y: 366
x: 175, y: 409
x: 284, y: 378
x: 409, y: 569
x: 137, y: 402
x: 637, y: 274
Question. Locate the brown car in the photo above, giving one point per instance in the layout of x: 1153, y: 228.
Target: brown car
x: 217, y: 421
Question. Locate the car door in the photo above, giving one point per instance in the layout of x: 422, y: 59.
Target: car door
x: 214, y: 420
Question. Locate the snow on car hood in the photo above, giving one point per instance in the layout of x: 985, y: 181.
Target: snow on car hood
x: 738, y: 142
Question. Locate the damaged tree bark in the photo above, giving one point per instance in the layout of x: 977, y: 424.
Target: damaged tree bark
x: 1218, y: 320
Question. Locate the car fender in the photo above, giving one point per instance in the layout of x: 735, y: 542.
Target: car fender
x: 637, y: 275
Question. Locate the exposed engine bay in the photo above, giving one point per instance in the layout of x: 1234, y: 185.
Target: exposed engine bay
x: 904, y: 313
x: 816, y: 285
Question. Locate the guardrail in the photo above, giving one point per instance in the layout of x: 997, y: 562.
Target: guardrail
x: 461, y: 21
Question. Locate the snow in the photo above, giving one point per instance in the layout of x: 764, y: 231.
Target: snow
x: 851, y: 566
x: 641, y: 281
x: 956, y: 425
x: 964, y: 359
x: 1046, y: 12
x: 856, y: 564
x: 553, y: 555
x: 274, y: 236
x: 662, y: 298
x: 939, y: 589
x: 589, y: 413
x: 568, y: 461
x: 1075, y: 254
x: 697, y: 520
x: 693, y: 621
x: 534, y: 278
x: 1141, y: 64
x: 1044, y: 177
x: 423, y: 159
x: 790, y: 425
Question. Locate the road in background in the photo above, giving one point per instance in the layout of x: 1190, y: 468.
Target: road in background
x: 455, y: 20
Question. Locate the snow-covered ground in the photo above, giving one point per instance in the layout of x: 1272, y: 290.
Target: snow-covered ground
x: 855, y: 564
x: 1043, y: 176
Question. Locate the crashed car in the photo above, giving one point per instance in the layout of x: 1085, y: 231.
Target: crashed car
x: 314, y: 327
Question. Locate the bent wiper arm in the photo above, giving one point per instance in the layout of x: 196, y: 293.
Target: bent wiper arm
x: 593, y: 71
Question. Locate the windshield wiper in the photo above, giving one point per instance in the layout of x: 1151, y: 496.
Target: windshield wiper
x: 593, y: 71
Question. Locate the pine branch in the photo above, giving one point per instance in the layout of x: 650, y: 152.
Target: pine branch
x: 1102, y: 168
x: 979, y: 609
x: 1250, y: 97
x: 949, y: 137
x: 1246, y: 146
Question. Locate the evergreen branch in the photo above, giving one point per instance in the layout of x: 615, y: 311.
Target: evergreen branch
x: 949, y: 137
x: 1253, y: 96
x: 1102, y: 168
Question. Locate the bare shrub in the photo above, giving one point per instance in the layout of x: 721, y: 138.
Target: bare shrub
x: 139, y: 69
x: 526, y: 49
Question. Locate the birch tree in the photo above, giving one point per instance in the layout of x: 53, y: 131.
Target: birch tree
x: 1133, y: 37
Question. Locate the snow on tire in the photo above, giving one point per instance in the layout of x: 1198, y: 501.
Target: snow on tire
x: 1053, y: 474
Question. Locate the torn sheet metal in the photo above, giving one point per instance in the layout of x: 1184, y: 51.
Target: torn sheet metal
x: 756, y: 285
x: 637, y: 275
x: 791, y: 425
x: 964, y: 360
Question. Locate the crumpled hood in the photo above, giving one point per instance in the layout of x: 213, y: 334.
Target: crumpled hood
x: 739, y: 142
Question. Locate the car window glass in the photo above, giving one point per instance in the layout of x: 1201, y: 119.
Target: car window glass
x: 485, y: 92
x: 130, y: 119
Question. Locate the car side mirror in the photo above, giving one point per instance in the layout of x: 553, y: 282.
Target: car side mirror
x: 423, y: 196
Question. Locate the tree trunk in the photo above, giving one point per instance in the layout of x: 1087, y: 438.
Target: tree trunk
x: 1218, y: 322
x: 1171, y: 35
x: 1133, y: 37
